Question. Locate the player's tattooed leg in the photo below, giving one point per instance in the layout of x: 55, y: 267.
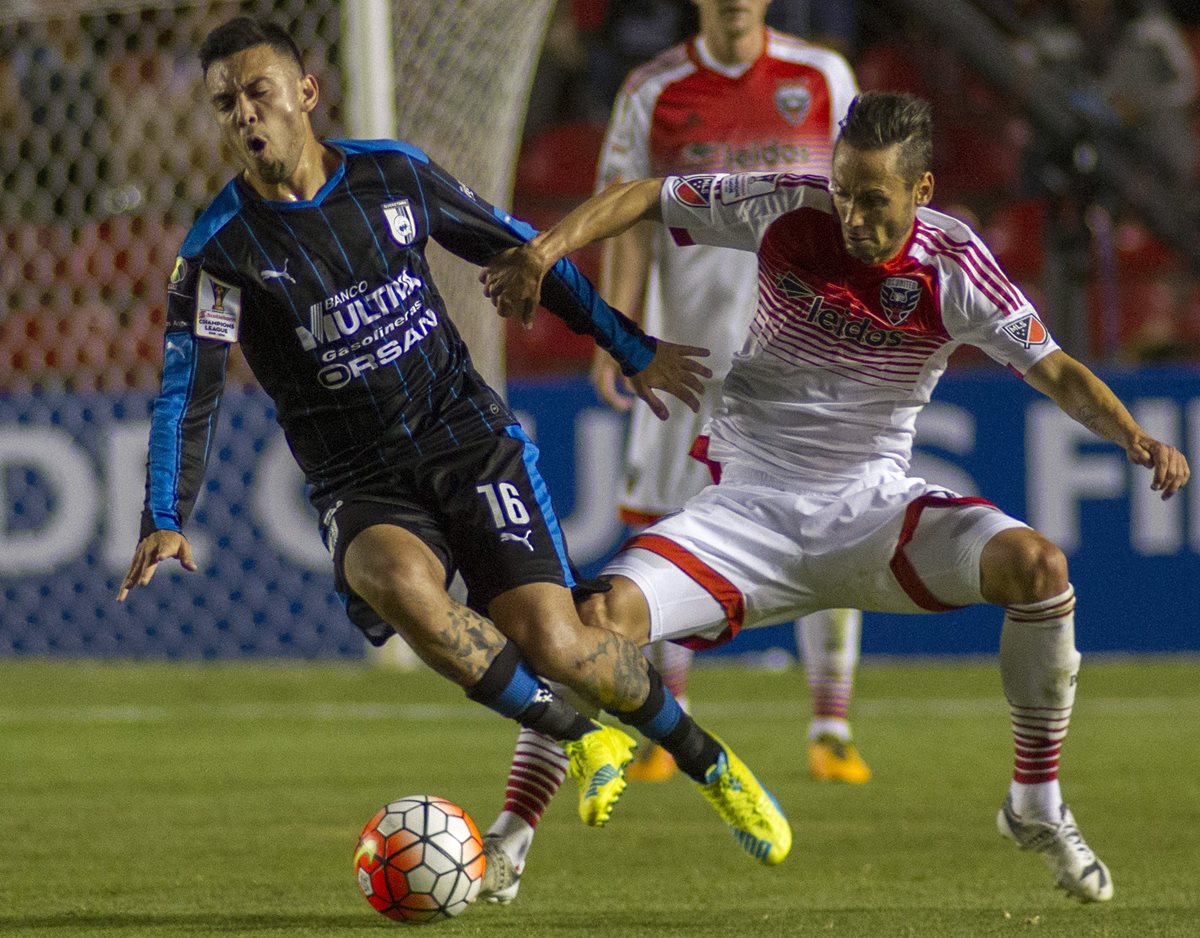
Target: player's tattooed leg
x: 620, y: 667
x: 462, y: 649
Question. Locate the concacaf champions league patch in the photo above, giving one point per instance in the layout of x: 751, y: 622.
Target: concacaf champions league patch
x: 218, y: 309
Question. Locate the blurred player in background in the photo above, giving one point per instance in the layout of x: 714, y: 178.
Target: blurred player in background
x: 313, y: 258
x: 864, y: 293
x: 738, y: 97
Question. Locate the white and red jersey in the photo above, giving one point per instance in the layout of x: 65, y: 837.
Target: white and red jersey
x: 841, y: 355
x: 684, y: 112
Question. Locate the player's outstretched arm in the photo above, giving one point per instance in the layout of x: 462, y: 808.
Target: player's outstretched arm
x: 513, y: 279
x: 1087, y: 399
x: 151, y: 551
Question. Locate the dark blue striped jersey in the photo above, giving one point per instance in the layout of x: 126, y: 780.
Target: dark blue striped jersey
x: 336, y: 312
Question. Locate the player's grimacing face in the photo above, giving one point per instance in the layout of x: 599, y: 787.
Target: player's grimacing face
x: 261, y: 102
x: 876, y: 206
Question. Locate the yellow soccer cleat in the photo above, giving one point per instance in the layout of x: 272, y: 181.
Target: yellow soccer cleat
x: 752, y: 813
x: 597, y: 761
x: 655, y: 764
x: 831, y: 759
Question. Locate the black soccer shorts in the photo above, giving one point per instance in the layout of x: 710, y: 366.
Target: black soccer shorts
x: 482, y: 509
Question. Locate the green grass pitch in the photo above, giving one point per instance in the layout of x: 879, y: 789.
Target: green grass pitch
x: 160, y: 800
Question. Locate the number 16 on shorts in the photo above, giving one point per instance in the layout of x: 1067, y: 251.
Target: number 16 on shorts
x: 504, y: 501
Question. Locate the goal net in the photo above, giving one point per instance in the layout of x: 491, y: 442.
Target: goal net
x: 108, y: 154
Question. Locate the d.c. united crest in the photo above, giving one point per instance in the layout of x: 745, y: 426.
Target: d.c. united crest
x: 899, y: 296
x: 792, y: 101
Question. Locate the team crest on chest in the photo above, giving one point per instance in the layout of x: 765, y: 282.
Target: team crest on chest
x: 401, y: 223
x: 1028, y: 330
x: 899, y: 296
x: 792, y: 101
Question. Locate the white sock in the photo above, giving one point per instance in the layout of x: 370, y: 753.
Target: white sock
x: 539, y: 767
x: 516, y: 837
x: 1038, y: 668
x: 830, y: 643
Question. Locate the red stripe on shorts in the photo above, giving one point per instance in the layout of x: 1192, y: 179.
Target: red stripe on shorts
x: 902, y: 568
x: 728, y: 596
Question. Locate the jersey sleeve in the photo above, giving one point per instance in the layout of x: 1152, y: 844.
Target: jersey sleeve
x: 625, y: 155
x: 982, y: 307
x: 476, y: 231
x: 842, y: 88
x: 735, y: 210
x: 195, y: 352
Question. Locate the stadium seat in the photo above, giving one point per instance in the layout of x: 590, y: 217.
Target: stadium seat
x: 555, y: 172
x: 560, y: 161
x: 1014, y: 234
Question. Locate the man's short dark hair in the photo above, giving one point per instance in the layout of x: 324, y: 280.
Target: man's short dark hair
x: 244, y: 32
x: 878, y: 119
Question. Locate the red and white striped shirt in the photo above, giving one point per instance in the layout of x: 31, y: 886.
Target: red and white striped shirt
x: 841, y: 355
x: 685, y: 112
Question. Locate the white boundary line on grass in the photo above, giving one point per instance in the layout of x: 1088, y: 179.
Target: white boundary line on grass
x: 337, y: 711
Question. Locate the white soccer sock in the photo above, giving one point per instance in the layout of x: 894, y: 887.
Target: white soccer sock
x: 538, y: 769
x: 829, y: 640
x: 1038, y: 668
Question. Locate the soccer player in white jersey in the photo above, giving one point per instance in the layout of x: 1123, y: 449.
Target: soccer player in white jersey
x: 863, y: 294
x: 736, y: 97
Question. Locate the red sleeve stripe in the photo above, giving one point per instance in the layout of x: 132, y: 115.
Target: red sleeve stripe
x: 981, y: 271
x: 987, y: 264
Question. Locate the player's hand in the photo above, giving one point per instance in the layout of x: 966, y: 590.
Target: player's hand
x: 611, y: 386
x: 673, y: 369
x: 513, y: 282
x: 152, y: 550
x: 1171, y: 470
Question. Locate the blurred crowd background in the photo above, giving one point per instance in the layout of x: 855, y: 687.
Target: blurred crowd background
x: 1066, y: 132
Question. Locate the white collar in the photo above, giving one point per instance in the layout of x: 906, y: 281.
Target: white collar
x: 707, y: 60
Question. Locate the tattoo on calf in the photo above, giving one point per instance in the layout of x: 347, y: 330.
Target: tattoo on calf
x: 624, y: 660
x: 472, y: 641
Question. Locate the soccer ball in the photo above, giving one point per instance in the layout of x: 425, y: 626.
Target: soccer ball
x: 420, y: 859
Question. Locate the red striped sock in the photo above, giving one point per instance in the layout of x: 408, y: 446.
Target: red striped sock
x: 1038, y: 664
x: 538, y: 769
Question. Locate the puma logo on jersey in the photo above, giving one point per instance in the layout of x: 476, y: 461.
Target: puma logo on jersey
x: 267, y: 274
x: 506, y: 536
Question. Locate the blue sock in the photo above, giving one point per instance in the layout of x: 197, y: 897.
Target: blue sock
x: 661, y: 719
x: 512, y: 690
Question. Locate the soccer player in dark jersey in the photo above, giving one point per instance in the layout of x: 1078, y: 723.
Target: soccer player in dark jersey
x: 313, y: 258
